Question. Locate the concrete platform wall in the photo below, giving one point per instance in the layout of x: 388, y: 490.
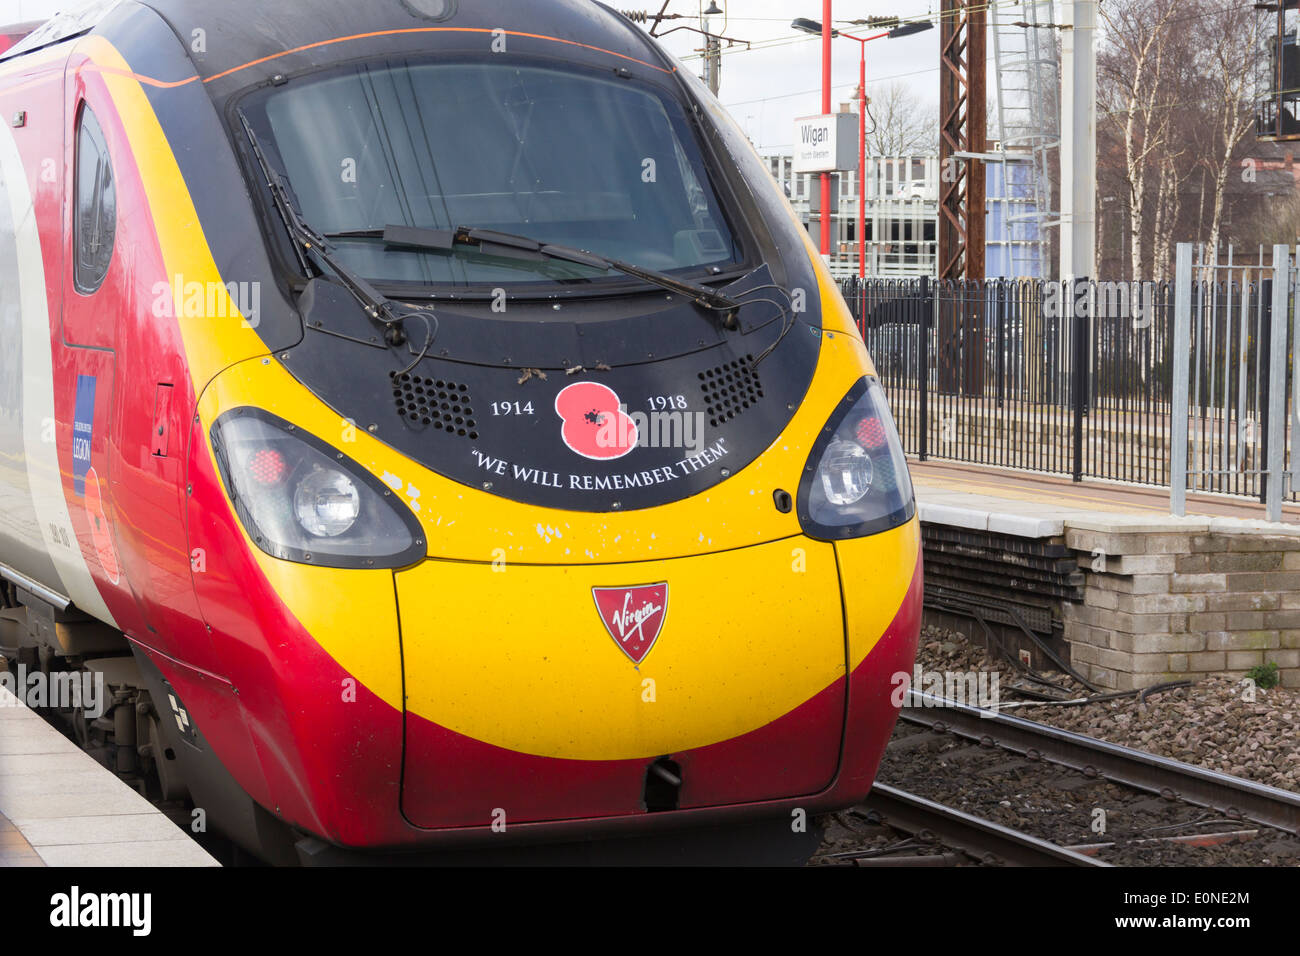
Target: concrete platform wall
x: 1171, y: 601
x: 1158, y: 598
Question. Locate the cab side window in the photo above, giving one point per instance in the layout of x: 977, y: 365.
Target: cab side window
x: 95, y: 223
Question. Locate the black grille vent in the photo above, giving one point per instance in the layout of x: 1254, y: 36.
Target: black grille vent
x: 441, y: 404
x: 731, y: 389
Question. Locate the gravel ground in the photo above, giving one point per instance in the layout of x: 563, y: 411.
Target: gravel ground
x: 1208, y: 724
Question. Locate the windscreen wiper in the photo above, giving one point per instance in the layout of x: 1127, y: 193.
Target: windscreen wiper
x: 308, y: 243
x: 508, y: 245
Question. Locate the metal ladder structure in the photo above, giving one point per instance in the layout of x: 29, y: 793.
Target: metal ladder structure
x: 1027, y: 124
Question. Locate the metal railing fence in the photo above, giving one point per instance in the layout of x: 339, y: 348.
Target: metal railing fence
x: 1082, y: 377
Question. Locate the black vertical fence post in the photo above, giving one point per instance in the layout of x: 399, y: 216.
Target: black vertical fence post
x: 1265, y: 372
x: 999, y: 312
x: 1080, y: 313
x: 923, y: 364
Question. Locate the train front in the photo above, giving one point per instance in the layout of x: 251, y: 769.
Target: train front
x: 575, y: 507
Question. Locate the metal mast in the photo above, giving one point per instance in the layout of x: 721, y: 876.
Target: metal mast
x: 962, y: 134
x: 1079, y: 142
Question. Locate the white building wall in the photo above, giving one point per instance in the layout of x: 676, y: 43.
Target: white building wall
x: 902, y: 213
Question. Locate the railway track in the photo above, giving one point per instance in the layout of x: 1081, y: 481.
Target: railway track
x: 981, y: 839
x: 1233, y: 797
x: 960, y: 785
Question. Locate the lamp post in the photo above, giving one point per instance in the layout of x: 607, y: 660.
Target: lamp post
x: 712, y: 48
x: 827, y: 34
x: 812, y: 26
x: 862, y: 151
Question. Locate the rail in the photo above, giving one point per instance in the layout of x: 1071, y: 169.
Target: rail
x: 972, y: 835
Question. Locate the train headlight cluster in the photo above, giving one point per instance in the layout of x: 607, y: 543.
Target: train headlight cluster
x: 301, y: 500
x: 856, y: 480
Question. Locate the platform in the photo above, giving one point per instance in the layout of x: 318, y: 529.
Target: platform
x: 1026, y: 504
x: 58, y: 807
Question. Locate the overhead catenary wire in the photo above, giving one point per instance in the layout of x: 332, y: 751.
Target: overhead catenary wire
x: 839, y: 88
x: 780, y: 42
x: 936, y: 17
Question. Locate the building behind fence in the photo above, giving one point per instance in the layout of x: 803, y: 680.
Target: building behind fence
x: 902, y: 215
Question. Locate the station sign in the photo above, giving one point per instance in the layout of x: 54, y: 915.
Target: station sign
x: 826, y: 144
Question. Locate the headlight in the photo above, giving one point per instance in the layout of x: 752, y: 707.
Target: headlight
x: 301, y: 500
x: 856, y: 481
x: 846, y: 473
x: 327, y: 503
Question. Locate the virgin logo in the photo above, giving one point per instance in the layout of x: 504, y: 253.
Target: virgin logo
x: 633, y: 616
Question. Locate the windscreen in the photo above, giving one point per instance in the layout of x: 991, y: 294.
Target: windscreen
x: 595, y: 161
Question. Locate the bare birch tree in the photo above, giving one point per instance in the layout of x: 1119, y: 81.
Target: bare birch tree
x: 903, y: 125
x: 1231, y: 34
x: 1176, y: 91
x: 1173, y: 176
x: 1133, y: 86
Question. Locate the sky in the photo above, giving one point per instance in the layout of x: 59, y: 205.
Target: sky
x: 20, y: 11
x: 768, y: 87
